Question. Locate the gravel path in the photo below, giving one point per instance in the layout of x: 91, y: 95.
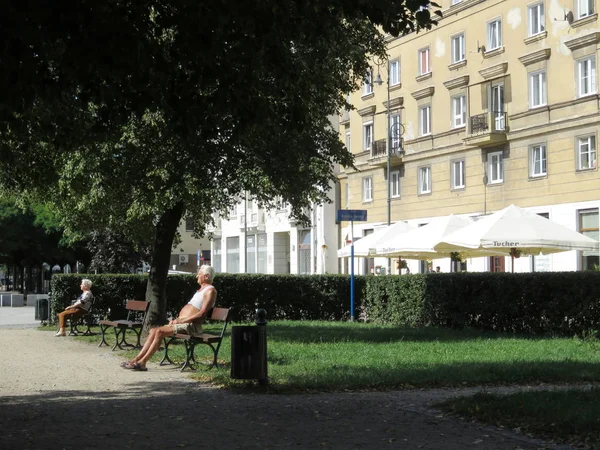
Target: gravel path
x: 58, y: 393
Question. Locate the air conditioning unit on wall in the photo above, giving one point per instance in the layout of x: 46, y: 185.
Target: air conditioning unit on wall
x: 183, y: 259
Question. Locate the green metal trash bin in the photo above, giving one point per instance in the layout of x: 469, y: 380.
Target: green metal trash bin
x: 249, y: 351
x: 41, y: 309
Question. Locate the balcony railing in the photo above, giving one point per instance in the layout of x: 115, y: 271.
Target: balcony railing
x: 489, y: 122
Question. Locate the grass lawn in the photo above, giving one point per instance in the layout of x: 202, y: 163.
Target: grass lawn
x: 337, y: 356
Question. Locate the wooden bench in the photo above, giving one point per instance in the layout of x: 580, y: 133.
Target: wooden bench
x: 212, y: 340
x: 89, y: 319
x: 136, y: 313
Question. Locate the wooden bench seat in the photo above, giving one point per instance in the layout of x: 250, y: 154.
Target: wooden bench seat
x: 212, y: 340
x: 136, y: 313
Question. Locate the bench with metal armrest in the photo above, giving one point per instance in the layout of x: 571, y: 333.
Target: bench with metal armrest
x: 212, y: 340
x: 136, y: 313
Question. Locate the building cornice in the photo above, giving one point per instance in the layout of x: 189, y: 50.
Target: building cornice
x: 583, y: 41
x: 457, y: 82
x: 494, y: 71
x: 367, y: 110
x: 397, y: 102
x: 423, y: 93
x: 534, y: 57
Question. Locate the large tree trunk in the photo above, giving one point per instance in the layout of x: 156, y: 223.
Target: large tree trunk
x: 156, y: 290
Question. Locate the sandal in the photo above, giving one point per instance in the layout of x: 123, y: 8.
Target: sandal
x: 136, y: 367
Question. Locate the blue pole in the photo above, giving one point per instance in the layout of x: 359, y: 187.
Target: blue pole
x: 352, y: 272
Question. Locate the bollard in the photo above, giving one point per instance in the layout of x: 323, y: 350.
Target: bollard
x: 249, y: 350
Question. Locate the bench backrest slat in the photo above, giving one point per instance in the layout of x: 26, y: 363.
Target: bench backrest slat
x: 219, y: 314
x: 135, y: 308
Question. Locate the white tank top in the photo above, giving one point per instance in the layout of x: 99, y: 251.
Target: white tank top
x: 198, y: 298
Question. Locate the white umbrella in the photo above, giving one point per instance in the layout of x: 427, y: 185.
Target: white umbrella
x: 514, y: 231
x: 366, y: 247
x: 419, y: 243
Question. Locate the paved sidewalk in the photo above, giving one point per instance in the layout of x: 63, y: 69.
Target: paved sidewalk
x: 18, y: 316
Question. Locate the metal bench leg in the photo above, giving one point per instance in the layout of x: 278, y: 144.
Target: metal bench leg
x: 102, y: 331
x: 189, y: 356
x: 166, y: 354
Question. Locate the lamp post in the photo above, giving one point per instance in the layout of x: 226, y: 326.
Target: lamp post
x: 396, y: 129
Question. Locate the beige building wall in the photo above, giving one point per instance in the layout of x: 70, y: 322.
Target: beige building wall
x: 538, y: 57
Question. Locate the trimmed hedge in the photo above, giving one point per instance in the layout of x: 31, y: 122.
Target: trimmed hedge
x: 563, y: 303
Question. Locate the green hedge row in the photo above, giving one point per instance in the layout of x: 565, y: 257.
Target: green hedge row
x: 557, y: 302
x: 289, y: 297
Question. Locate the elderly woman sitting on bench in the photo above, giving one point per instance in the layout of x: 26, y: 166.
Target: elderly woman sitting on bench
x: 189, y: 321
x: 81, y: 306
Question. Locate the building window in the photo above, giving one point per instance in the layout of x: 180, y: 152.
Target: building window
x: 425, y: 120
x: 537, y: 160
x: 589, y: 226
x: 368, y: 83
x: 424, y: 61
x: 233, y: 254
x: 395, y: 184
x: 536, y: 19
x: 458, y: 48
x: 232, y: 213
x: 585, y: 8
x: 348, y: 142
x: 394, y: 72
x: 458, y: 174
x: 395, y: 132
x: 189, y: 224
x: 537, y: 89
x: 494, y: 34
x: 586, y: 153
x: 456, y: 2
x: 586, y: 76
x: 459, y: 111
x: 367, y: 135
x: 367, y: 189
x: 425, y: 180
x: 496, y: 167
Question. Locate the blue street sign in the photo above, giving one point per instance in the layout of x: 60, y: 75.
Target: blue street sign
x: 352, y: 215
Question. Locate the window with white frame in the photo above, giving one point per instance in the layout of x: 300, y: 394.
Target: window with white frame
x: 395, y: 184
x: 586, y: 153
x: 458, y: 48
x: 586, y: 76
x: 232, y: 212
x: 537, y: 160
x: 496, y: 167
x: 494, y: 34
x: 424, y: 61
x: 348, y: 142
x: 394, y: 72
x: 425, y: 120
x: 395, y: 132
x: 367, y: 135
x: 458, y: 174
x: 537, y: 21
x: 537, y: 89
x: 584, y: 8
x: 459, y: 111
x: 456, y: 2
x: 367, y: 189
x: 425, y: 180
x: 368, y: 83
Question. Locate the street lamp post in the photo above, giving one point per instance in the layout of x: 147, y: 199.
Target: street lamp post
x: 388, y: 140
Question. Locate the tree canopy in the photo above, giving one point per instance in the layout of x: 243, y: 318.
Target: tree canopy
x: 133, y: 114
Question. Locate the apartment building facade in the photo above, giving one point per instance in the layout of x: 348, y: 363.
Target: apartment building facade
x: 496, y: 105
x: 250, y: 239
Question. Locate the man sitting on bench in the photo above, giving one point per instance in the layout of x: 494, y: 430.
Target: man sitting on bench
x: 77, y: 309
x: 189, y: 321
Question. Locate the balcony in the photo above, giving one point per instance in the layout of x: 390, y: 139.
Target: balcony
x: 378, y: 157
x: 256, y: 221
x: 487, y: 129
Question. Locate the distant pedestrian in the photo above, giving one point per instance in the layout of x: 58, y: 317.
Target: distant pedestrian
x: 437, y: 269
